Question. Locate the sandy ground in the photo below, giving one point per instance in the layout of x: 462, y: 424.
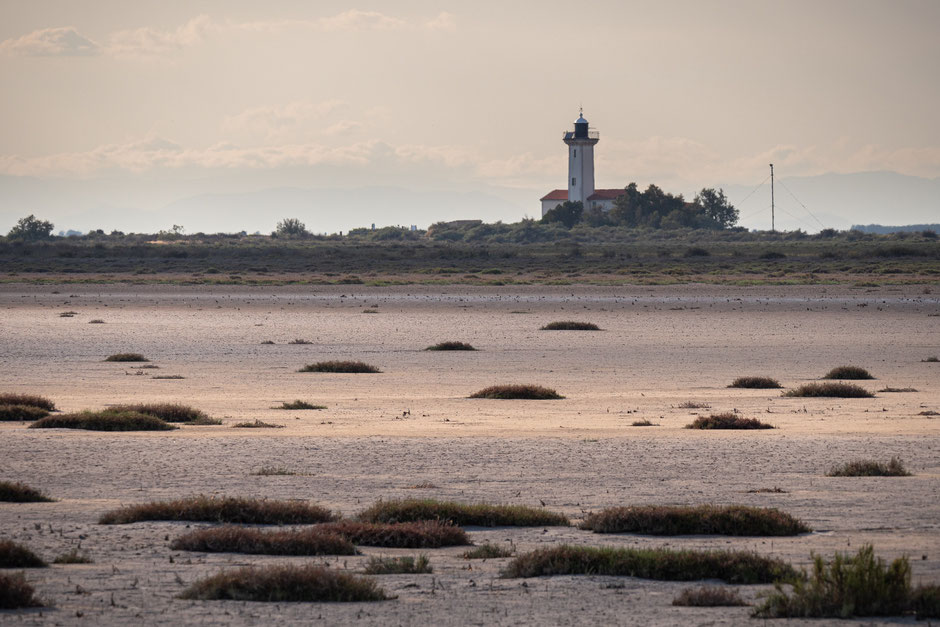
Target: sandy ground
x: 383, y: 434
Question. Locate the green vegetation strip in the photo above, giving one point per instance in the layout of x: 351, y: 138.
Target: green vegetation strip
x: 740, y: 567
x: 233, y: 510
x: 463, y: 514
x: 285, y: 583
x: 104, y: 421
x: 170, y: 412
x: 664, y: 520
x: 21, y: 412
x: 419, y: 534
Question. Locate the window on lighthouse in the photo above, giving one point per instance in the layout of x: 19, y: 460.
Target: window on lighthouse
x: 574, y: 152
x: 574, y: 181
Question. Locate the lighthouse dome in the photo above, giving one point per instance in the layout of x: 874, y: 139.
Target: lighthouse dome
x: 581, y: 120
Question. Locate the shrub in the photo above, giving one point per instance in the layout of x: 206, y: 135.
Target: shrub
x: 835, y: 390
x: 30, y: 400
x: 740, y: 567
x: 709, y: 596
x: 870, y: 468
x: 96, y: 321
x: 487, y: 552
x: 170, y: 412
x: 406, y: 565
x: 21, y: 493
x: 420, y: 534
x: 257, y: 424
x: 103, y: 421
x: 570, y: 325
x: 231, y: 539
x: 21, y: 412
x: 932, y: 359
x: 13, y: 555
x: 126, y: 357
x: 727, y: 420
x: 671, y: 520
x: 300, y: 405
x: 848, y: 372
x: 285, y: 583
x: 478, y: 514
x: 524, y: 392
x: 75, y: 556
x: 693, y: 405
x: 859, y: 585
x: 15, y: 592
x: 643, y: 423
x: 269, y: 471
x: 761, y: 383
x: 340, y: 366
x: 925, y: 601
x: 890, y: 389
x: 450, y: 346
x: 221, y: 509
x: 300, y: 341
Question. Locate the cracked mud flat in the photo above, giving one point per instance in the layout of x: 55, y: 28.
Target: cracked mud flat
x: 412, y: 425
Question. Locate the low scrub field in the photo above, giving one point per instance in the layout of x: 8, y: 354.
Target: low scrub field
x: 450, y: 346
x: 11, y: 492
x: 285, y: 583
x: 420, y: 534
x: 463, y: 514
x: 13, y: 555
x: 170, y: 412
x: 833, y: 390
x: 739, y: 567
x: 848, y: 372
x: 870, y: 468
x: 104, y: 421
x: 30, y: 400
x: 406, y: 565
x: 232, y: 539
x: 523, y: 392
x: 488, y: 552
x: 15, y: 592
x: 225, y: 509
x: 341, y: 366
x: 668, y: 520
x: 570, y: 325
x: 727, y: 421
x: 760, y: 383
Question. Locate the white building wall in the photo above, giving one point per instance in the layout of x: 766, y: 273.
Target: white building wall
x: 548, y: 205
x: 580, y: 171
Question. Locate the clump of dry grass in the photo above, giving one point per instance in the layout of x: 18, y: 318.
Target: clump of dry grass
x: 300, y: 341
x: 674, y: 520
x: 221, y: 509
x: 727, y: 420
x: 773, y: 490
x: 421, y: 534
x: 9, y: 413
x: 488, y: 551
x: 257, y: 424
x: 523, y: 392
x: 870, y: 468
x: 231, y: 539
x: 174, y: 377
x: 299, y: 405
x: 270, y: 471
x: 75, y: 556
x: 709, y: 596
x: 341, y: 366
x: 925, y: 601
x: 16, y: 592
x: 450, y: 346
x: 931, y: 360
x: 96, y: 321
x: 285, y: 583
x: 126, y: 357
x: 104, y: 421
x: 848, y: 372
x: 11, y: 492
x: 476, y: 514
x: 13, y: 555
x: 761, y: 383
x: 833, y: 390
x: 646, y: 422
x: 570, y: 325
x: 30, y: 400
x: 170, y: 412
x: 891, y: 389
x: 405, y: 565
x: 693, y: 405
x: 739, y: 567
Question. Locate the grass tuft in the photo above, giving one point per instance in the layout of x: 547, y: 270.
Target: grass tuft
x: 252, y: 541
x: 221, y: 509
x: 931, y: 360
x: 30, y: 400
x: 761, y: 383
x: 643, y: 423
x: 925, y: 601
x: 300, y: 341
x: 524, y: 392
x: 848, y: 372
x: 450, y: 346
x: 870, y: 468
x: 271, y: 471
x: 126, y: 357
x: 16, y: 592
x: 75, y: 556
x: 96, y: 321
x: 257, y: 424
x: 340, y: 366
x: 421, y: 534
x: 170, y: 412
x: 693, y: 405
x: 285, y: 583
x: 709, y: 596
x: 739, y: 567
x: 10, y: 413
x: 570, y: 325
x: 299, y: 405
x: 21, y: 493
x: 891, y: 389
x: 103, y: 421
x: 488, y: 552
x: 477, y: 514
x: 834, y: 390
x: 405, y: 565
x: 727, y: 420
x: 13, y: 555
x: 674, y: 520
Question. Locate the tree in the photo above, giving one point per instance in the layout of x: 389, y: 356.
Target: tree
x: 568, y: 213
x: 716, y: 207
x: 31, y: 228
x: 291, y: 227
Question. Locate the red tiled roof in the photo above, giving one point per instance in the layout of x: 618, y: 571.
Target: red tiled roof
x: 599, y: 194
x: 556, y: 194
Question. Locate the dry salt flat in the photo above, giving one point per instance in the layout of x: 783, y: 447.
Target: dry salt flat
x: 411, y: 431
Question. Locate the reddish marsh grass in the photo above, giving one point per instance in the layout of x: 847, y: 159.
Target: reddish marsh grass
x: 170, y: 412
x: 103, y: 421
x: 30, y: 400
x: 341, y: 367
x: 421, y: 534
x: 406, y: 565
x: 488, y: 552
x: 522, y: 392
x: 709, y: 596
x: 13, y: 555
x: 221, y: 509
x: 477, y: 514
x: 727, y: 421
x: 230, y: 539
x: 21, y: 493
x: 15, y: 592
x: 670, y: 520
x: 760, y: 383
x: 285, y: 583
x: 9, y: 413
x: 833, y: 390
x: 870, y: 468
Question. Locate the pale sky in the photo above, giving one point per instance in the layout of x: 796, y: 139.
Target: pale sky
x: 458, y: 96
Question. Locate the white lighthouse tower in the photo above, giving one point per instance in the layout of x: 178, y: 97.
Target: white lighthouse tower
x: 581, y: 160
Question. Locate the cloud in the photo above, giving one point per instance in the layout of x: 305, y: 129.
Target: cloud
x: 51, y: 42
x: 272, y: 122
x: 151, y: 41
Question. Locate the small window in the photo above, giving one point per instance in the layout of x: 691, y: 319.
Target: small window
x: 574, y: 181
x: 574, y: 152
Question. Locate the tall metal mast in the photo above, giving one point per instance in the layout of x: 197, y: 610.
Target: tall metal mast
x: 772, y: 198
